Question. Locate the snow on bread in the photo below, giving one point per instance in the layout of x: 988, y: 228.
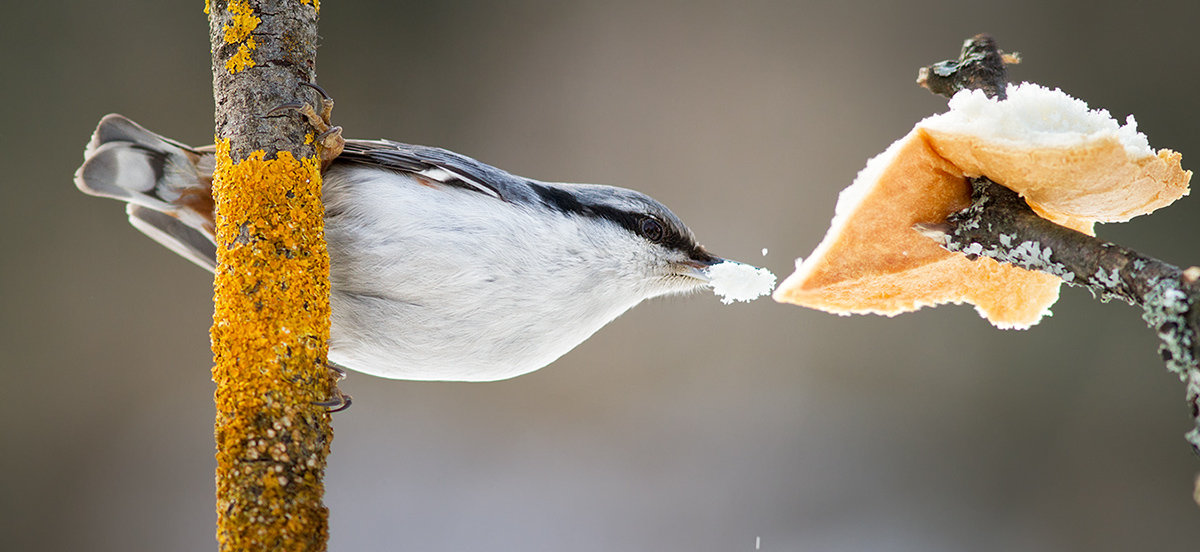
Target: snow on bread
x: 1066, y: 160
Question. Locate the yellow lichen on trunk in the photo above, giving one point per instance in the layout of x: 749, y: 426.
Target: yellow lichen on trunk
x: 270, y: 338
x: 239, y: 31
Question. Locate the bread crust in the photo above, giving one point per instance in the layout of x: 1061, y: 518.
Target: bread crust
x: 1094, y: 179
x: 873, y: 261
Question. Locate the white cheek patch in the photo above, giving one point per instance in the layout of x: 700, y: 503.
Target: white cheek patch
x: 735, y: 281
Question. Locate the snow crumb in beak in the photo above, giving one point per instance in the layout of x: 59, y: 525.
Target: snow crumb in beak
x: 735, y: 281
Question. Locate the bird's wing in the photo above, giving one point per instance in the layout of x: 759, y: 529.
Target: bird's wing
x: 434, y: 164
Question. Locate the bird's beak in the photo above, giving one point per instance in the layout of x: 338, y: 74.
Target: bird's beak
x: 698, y: 268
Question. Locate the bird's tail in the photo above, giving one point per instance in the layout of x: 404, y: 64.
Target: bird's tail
x: 167, y: 185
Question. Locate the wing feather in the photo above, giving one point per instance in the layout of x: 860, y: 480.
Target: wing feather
x: 435, y: 164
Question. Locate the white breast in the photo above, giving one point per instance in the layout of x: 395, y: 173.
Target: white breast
x: 439, y: 283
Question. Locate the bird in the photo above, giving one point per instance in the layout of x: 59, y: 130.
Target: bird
x: 442, y: 268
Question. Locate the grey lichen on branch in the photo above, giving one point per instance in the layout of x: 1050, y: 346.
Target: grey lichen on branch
x: 997, y: 220
x: 999, y: 224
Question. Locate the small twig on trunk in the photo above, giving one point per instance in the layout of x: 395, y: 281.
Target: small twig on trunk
x: 999, y: 224
x: 980, y: 66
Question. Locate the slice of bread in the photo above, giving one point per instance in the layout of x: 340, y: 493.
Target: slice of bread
x: 1075, y: 166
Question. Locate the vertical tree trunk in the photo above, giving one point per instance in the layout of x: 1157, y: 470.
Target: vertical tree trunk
x: 271, y: 321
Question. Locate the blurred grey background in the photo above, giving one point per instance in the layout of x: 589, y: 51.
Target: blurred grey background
x: 686, y: 425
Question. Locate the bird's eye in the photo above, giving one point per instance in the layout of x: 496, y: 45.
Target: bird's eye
x: 652, y: 229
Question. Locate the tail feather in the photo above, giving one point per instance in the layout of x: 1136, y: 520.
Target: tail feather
x: 168, y: 185
x: 169, y: 231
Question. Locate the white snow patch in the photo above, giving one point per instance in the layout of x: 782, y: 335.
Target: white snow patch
x: 1035, y: 116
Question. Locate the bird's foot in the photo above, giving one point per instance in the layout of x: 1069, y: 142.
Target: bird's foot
x: 328, y: 139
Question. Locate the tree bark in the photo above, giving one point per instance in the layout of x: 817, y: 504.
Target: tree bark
x: 271, y: 318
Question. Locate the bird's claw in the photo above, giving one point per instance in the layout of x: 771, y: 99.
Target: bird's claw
x: 339, y: 372
x: 337, y: 401
x: 328, y: 139
x: 326, y: 101
x: 297, y: 106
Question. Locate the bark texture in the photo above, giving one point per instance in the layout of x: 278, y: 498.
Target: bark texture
x: 271, y: 319
x: 261, y: 50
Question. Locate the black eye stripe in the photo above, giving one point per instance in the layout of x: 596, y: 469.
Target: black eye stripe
x: 564, y: 202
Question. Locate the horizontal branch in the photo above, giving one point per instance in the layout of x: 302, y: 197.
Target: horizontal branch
x: 999, y: 224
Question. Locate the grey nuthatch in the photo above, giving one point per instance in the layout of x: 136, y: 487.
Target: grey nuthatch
x: 441, y: 267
